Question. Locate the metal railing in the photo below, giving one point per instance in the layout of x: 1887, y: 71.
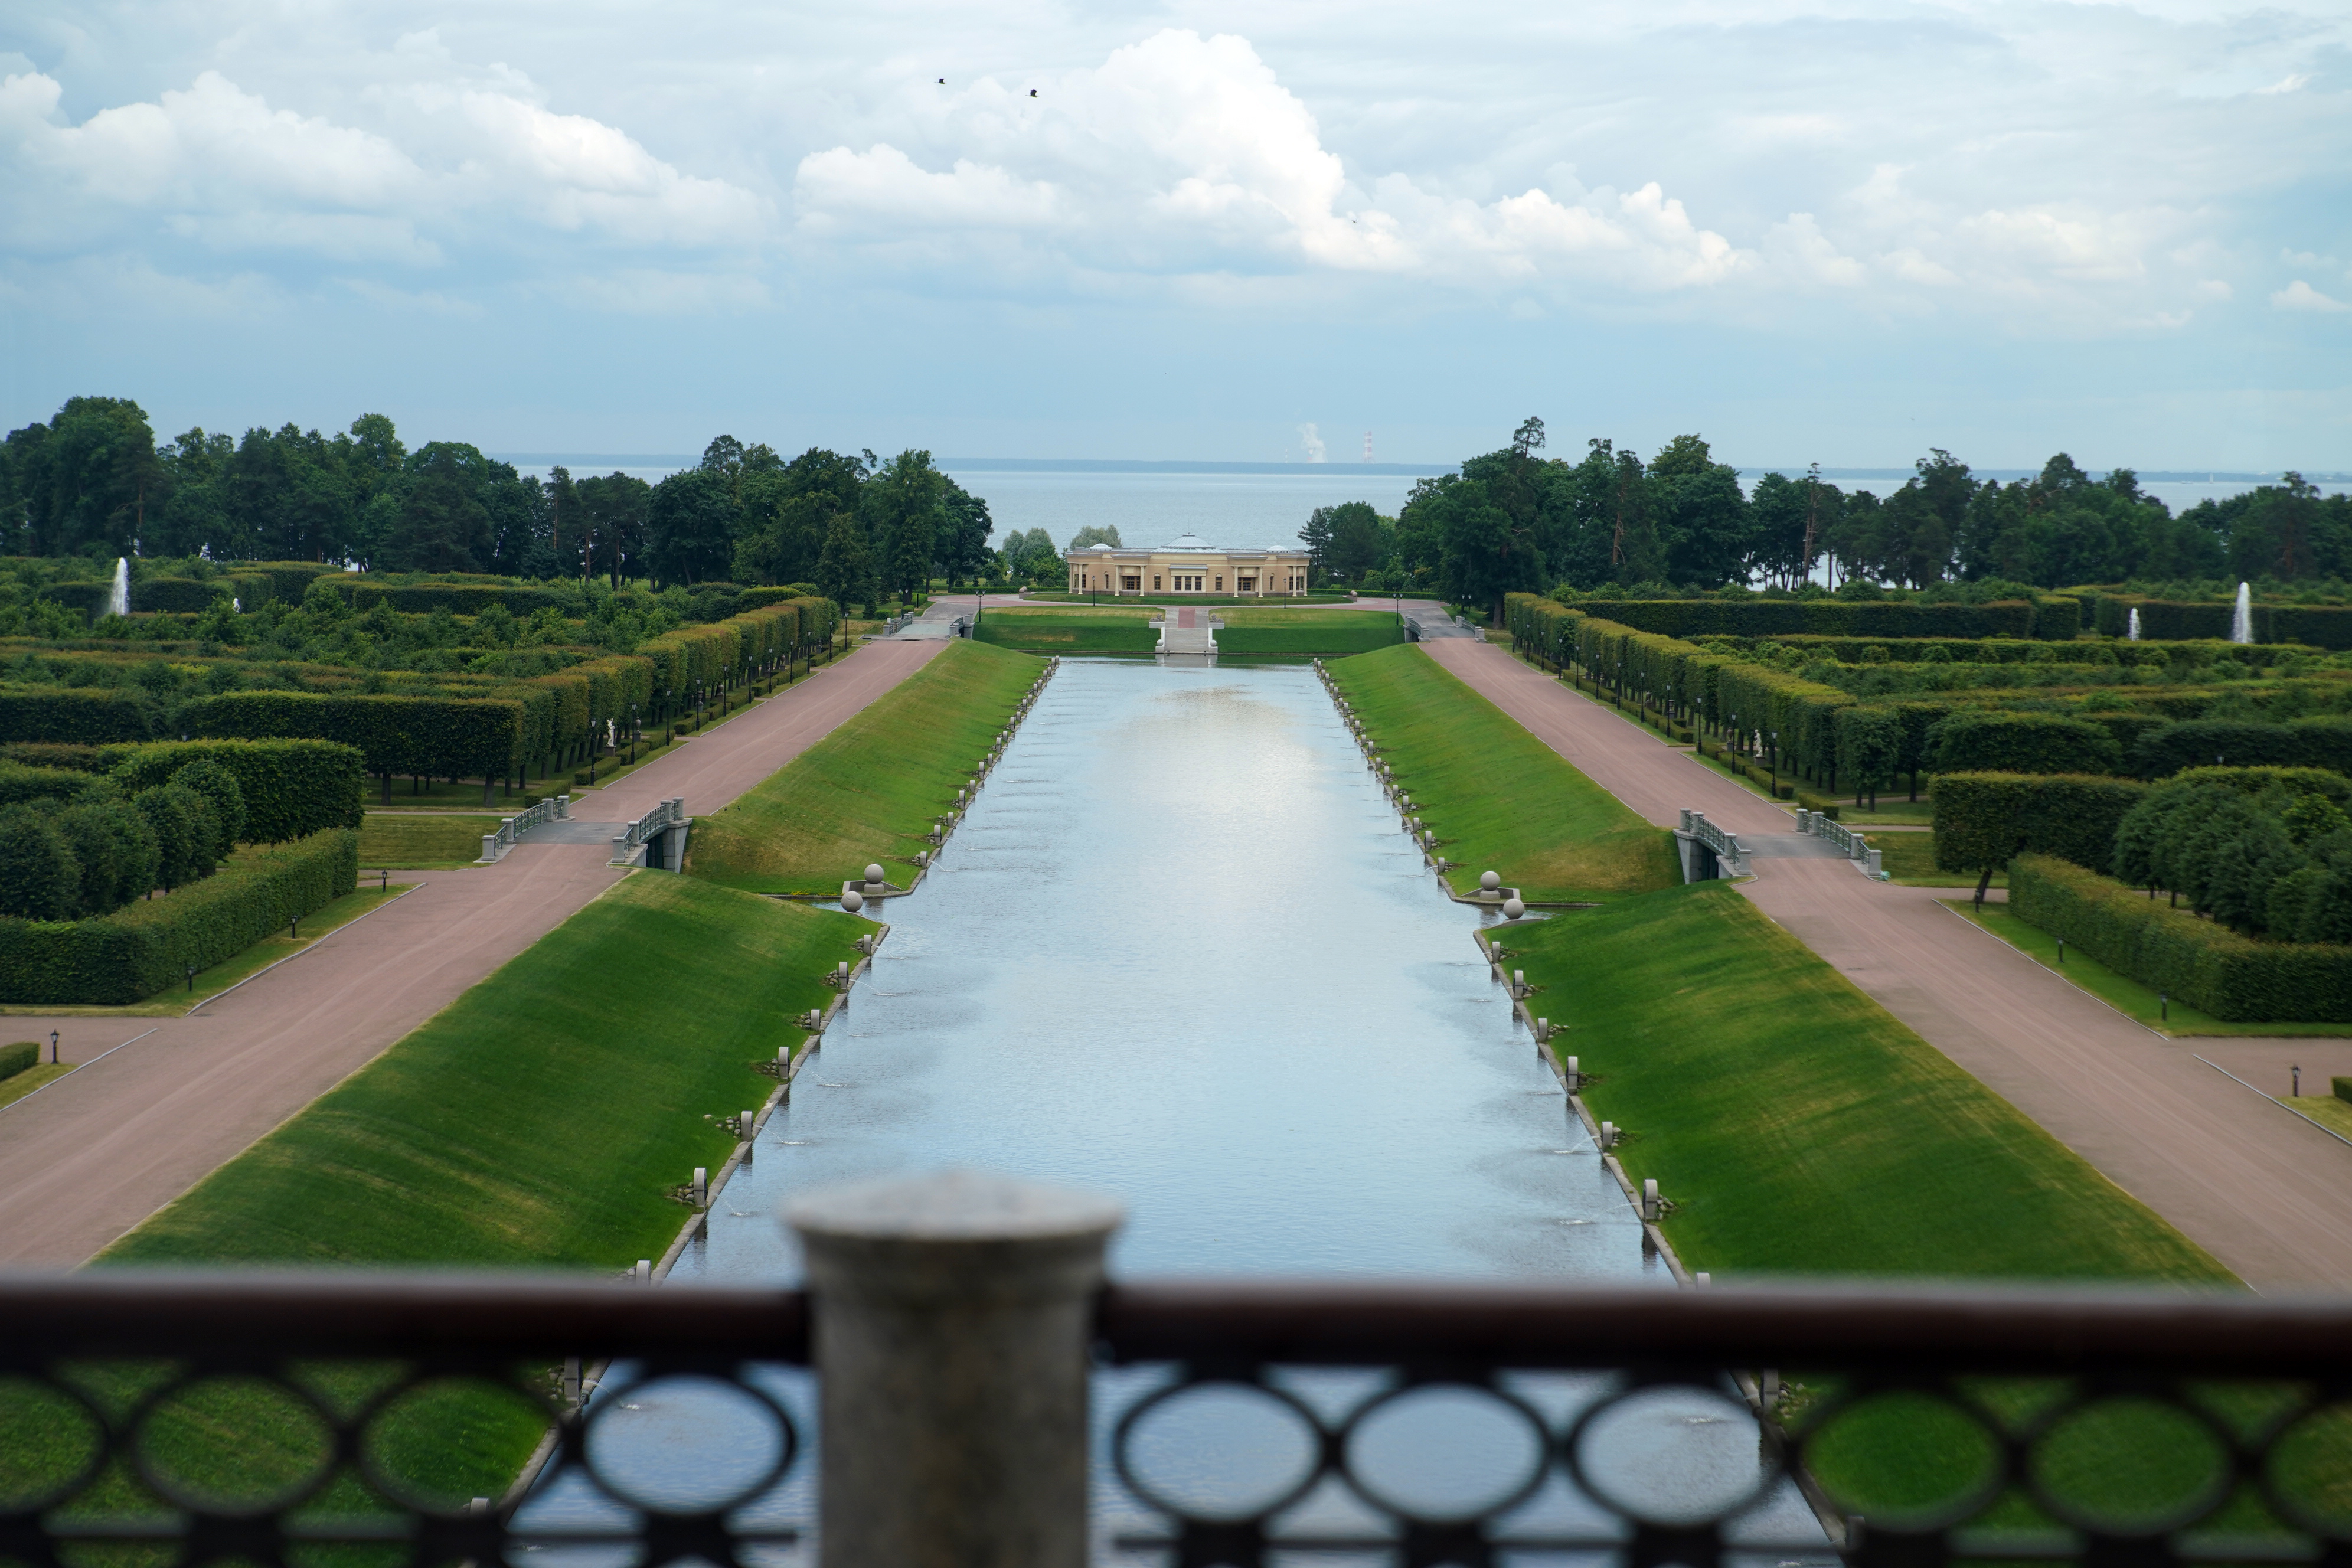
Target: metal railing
x: 512, y: 829
x: 1849, y: 843
x: 260, y: 1419
x: 1725, y: 845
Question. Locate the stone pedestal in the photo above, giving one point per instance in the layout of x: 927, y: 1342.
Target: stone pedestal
x: 952, y: 1315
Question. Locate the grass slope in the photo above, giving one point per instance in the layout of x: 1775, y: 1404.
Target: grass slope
x: 1499, y: 799
x: 868, y: 791
x: 544, y: 1116
x: 1798, y: 1127
x: 1071, y: 630
x: 421, y: 841
x: 1297, y: 633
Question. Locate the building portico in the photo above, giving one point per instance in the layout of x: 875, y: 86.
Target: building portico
x: 1187, y: 565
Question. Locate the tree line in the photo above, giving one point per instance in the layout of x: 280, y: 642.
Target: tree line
x: 1515, y: 521
x: 94, y: 482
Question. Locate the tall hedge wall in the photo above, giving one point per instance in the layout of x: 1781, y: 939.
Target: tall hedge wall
x: 460, y: 738
x: 2320, y: 742
x: 142, y: 948
x: 19, y: 783
x: 83, y: 715
x: 1979, y: 741
x: 292, y: 788
x: 1983, y: 820
x: 1826, y: 617
x: 178, y: 595
x: 2204, y: 963
x: 458, y: 598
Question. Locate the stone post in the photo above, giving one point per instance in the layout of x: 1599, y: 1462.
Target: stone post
x: 952, y: 1319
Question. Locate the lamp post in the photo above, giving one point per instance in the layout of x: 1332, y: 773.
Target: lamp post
x: 633, y: 734
x: 53, y: 1047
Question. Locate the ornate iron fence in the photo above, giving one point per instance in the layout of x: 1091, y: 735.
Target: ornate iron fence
x: 298, y: 1421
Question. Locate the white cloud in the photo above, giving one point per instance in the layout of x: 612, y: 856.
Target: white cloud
x: 1184, y: 155
x: 2301, y: 296
x: 2213, y: 288
x: 2293, y: 81
x: 219, y: 166
x: 1310, y: 443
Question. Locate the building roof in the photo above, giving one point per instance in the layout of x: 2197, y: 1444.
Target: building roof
x: 1188, y: 544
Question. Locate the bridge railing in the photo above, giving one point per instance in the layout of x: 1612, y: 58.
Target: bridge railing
x: 277, y: 1419
x: 511, y: 829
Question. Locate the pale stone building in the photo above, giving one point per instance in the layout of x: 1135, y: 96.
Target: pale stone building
x: 1188, y: 565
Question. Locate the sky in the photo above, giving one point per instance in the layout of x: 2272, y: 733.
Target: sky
x: 1837, y: 232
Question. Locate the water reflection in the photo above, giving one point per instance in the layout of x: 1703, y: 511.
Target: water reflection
x: 1181, y: 950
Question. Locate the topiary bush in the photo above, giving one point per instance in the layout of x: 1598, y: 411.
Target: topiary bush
x: 289, y: 789
x: 26, y: 1055
x: 1983, y: 819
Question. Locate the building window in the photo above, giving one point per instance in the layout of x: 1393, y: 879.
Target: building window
x: 1155, y: 584
x: 1245, y: 585
x: 1221, y: 584
x: 1131, y: 585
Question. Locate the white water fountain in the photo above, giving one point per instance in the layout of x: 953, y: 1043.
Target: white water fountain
x: 118, y: 598
x: 2131, y: 632
x: 2242, y: 619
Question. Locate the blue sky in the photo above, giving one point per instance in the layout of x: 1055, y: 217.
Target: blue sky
x: 1833, y: 232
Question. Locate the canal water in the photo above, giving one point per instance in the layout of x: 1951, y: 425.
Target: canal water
x: 1181, y: 950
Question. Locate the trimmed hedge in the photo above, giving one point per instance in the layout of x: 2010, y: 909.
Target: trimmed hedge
x: 19, y: 783
x: 2321, y: 743
x: 1974, y: 741
x: 26, y: 1055
x: 458, y: 598
x: 61, y: 754
x: 82, y: 715
x: 88, y: 597
x: 2204, y: 963
x: 178, y: 595
x: 144, y: 947
x: 288, y: 580
x: 1822, y: 618
x: 292, y: 788
x: 457, y: 738
x: 1982, y: 820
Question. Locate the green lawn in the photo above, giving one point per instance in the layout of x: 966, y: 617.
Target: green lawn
x: 1910, y: 858
x: 2122, y: 993
x: 1499, y: 799
x: 1798, y: 1127
x: 1298, y: 633
x: 542, y: 1119
x: 419, y: 841
x: 1073, y: 630
x: 868, y: 791
x: 543, y: 1116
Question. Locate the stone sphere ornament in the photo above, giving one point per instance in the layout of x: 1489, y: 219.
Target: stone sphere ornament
x: 853, y: 901
x: 873, y: 873
x: 1489, y: 880
x: 1513, y: 908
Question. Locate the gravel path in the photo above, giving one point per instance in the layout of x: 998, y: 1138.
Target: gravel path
x: 2260, y: 1188
x: 90, y: 1156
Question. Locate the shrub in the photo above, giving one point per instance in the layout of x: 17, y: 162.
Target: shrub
x: 146, y: 946
x: 2262, y: 849
x: 1809, y: 801
x: 84, y: 715
x: 115, y: 851
x: 60, y: 754
x: 1821, y: 618
x: 1973, y: 740
x: 220, y: 790
x: 2319, y: 743
x: 1983, y: 819
x: 2342, y: 1086
x: 26, y: 1055
x: 2202, y: 963
x: 186, y: 834
x: 40, y: 878
x: 291, y: 789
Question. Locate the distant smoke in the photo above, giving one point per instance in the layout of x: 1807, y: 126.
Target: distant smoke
x: 1312, y: 442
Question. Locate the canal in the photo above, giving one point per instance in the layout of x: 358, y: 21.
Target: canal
x: 1182, y: 951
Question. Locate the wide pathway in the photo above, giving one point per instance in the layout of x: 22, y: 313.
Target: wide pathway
x: 2260, y: 1188
x: 90, y: 1156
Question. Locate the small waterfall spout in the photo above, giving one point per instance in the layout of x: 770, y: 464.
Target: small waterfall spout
x: 2242, y: 619
x: 118, y: 598
x: 2131, y: 632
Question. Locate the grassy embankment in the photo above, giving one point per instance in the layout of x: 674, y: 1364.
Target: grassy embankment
x: 542, y: 1119
x: 1075, y: 629
x: 1299, y: 634
x: 419, y: 841
x: 1499, y: 799
x: 869, y: 791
